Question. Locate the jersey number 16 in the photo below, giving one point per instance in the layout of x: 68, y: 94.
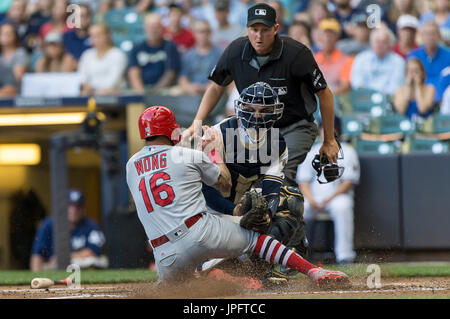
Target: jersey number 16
x: 156, y: 191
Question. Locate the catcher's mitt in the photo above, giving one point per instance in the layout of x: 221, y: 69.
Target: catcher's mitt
x: 256, y: 214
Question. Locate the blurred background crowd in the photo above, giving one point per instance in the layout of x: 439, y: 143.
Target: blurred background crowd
x: 169, y: 47
x: 391, y: 52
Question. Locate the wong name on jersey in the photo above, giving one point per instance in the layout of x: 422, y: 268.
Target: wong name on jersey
x: 150, y: 163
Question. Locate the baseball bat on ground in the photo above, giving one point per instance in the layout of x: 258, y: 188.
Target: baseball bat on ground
x: 47, y: 282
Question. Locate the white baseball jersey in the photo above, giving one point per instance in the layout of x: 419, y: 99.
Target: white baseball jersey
x: 165, y: 182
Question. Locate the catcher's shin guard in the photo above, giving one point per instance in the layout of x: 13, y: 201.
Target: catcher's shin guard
x: 283, y: 228
x: 289, y: 227
x: 299, y: 240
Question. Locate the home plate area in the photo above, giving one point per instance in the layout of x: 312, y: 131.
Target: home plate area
x: 201, y: 288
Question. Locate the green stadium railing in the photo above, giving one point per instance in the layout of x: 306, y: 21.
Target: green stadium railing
x: 368, y: 101
x: 377, y: 147
x: 390, y: 124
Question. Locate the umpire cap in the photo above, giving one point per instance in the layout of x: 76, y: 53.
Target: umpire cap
x: 261, y: 13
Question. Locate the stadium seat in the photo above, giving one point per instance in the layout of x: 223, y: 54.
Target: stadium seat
x: 428, y: 145
x: 126, y: 27
x: 137, y: 32
x: 436, y: 123
x: 376, y: 147
x: 123, y: 42
x: 368, y: 101
x: 351, y: 126
x: 390, y: 124
x: 126, y: 45
x: 120, y: 17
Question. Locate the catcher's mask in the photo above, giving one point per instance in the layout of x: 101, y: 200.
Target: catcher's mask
x: 328, y: 172
x: 258, y: 108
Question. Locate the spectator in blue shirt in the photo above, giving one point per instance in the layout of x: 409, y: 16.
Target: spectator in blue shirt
x: 41, y: 15
x: 154, y: 63
x: 198, y: 62
x: 344, y: 14
x: 86, y: 238
x: 415, y: 99
x: 432, y: 55
x: 77, y: 40
x: 379, y: 68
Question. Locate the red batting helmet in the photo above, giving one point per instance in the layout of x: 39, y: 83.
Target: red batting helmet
x: 158, y: 120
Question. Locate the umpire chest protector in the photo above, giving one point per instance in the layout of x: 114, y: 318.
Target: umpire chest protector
x: 290, y: 69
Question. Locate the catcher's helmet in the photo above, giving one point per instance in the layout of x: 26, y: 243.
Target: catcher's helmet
x: 328, y: 172
x: 159, y: 120
x: 259, y: 95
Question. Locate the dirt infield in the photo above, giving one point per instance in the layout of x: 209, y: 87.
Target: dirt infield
x: 421, y: 287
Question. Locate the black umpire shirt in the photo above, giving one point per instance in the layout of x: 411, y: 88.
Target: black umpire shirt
x: 290, y: 69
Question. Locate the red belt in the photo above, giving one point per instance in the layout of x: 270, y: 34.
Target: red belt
x: 164, y: 239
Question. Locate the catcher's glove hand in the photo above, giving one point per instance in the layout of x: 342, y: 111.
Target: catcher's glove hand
x: 256, y: 214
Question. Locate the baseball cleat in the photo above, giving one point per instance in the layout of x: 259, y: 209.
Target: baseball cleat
x: 285, y: 272
x: 323, y: 278
x: 246, y: 282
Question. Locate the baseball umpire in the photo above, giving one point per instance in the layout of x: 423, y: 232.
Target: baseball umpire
x: 165, y: 182
x: 289, y: 67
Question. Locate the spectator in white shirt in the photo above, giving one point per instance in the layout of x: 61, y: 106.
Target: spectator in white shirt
x: 102, y: 68
x: 445, y: 106
x: 380, y: 68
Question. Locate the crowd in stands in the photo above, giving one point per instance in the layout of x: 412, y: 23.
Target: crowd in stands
x: 399, y: 48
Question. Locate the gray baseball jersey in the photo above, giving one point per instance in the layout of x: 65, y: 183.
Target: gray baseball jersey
x: 166, y: 185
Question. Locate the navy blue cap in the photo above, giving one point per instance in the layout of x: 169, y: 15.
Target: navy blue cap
x: 76, y: 197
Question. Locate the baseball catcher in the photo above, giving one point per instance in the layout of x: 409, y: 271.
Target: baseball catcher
x: 244, y: 140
